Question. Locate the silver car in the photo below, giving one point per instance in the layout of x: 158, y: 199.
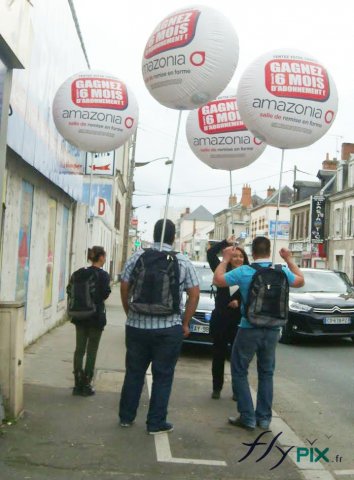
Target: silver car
x: 200, y: 323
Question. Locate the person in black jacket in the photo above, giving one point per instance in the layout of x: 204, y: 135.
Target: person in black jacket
x: 226, y: 315
x: 89, y: 330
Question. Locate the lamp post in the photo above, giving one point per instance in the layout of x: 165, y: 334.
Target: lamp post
x: 130, y: 191
x: 142, y: 164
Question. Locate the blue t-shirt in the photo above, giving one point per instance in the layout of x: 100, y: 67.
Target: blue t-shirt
x: 242, y: 276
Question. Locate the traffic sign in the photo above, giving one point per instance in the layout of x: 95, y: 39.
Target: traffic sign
x: 134, y: 222
x: 101, y: 163
x: 137, y: 243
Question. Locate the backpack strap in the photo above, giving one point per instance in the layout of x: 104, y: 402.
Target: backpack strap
x: 278, y: 266
x: 257, y: 266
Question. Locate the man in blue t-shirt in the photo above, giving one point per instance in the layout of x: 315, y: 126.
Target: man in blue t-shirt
x: 252, y: 340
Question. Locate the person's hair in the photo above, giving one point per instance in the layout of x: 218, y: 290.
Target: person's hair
x: 95, y: 253
x: 245, y: 259
x: 244, y: 254
x: 170, y: 231
x: 261, y: 247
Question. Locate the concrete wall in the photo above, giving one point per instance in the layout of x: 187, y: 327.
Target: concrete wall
x: 38, y: 318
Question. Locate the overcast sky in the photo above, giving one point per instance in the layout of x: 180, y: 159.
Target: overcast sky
x: 115, y: 33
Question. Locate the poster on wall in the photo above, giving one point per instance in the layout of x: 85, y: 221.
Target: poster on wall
x: 102, y: 190
x: 3, y: 71
x: 63, y: 252
x: 317, y: 219
x: 24, y: 242
x: 52, y: 217
x: 283, y: 228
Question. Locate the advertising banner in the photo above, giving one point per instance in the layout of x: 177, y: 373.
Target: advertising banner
x: 283, y: 228
x: 218, y: 137
x: 287, y: 98
x: 190, y: 57
x: 317, y: 219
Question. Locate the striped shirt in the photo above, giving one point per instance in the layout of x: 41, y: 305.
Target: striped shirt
x: 187, y: 279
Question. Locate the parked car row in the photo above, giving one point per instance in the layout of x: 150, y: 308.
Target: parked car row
x: 324, y: 306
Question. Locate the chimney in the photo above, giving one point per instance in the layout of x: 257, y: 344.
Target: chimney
x: 329, y: 164
x: 270, y: 191
x: 347, y: 149
x: 188, y: 210
x: 232, y: 200
x: 246, y: 200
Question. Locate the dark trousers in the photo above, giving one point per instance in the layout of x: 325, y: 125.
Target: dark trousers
x: 221, y: 341
x: 87, y: 342
x: 161, y: 348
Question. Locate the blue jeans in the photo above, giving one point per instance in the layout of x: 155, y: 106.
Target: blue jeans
x: 262, y: 342
x: 161, y: 348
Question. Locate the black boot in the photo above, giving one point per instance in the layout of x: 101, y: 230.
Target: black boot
x: 78, y: 375
x: 87, y: 388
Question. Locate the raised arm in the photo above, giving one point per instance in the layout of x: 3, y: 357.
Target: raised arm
x: 212, y: 252
x: 287, y: 257
x: 219, y: 274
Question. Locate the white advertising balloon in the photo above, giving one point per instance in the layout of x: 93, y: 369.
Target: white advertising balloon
x: 287, y: 98
x: 95, y: 111
x: 190, y: 57
x: 218, y: 136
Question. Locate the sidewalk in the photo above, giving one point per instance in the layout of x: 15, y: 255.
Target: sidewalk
x: 63, y: 437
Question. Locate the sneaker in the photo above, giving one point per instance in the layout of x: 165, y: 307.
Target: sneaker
x: 263, y: 424
x: 236, y: 422
x: 77, y: 391
x: 166, y: 428
x: 216, y: 394
x: 126, y: 424
x: 87, y: 391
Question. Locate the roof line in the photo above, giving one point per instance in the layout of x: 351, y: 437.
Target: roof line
x: 77, y: 25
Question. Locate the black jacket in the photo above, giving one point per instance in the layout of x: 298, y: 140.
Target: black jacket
x: 103, y: 291
x: 223, y: 316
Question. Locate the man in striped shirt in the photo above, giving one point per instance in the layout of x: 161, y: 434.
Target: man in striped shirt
x: 156, y: 340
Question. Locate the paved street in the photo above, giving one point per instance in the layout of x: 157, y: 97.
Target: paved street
x: 65, y: 437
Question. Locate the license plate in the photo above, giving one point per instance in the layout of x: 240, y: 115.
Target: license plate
x: 337, y: 321
x: 199, y: 328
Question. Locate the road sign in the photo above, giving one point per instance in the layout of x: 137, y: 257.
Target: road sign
x: 137, y: 243
x: 134, y: 222
x: 102, y: 163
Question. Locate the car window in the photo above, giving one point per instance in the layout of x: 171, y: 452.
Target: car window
x: 320, y: 281
x: 205, y: 277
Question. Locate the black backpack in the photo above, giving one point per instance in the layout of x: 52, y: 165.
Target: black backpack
x: 154, y: 284
x: 268, y: 297
x: 81, y: 294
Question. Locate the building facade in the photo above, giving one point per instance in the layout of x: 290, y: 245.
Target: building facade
x: 263, y: 220
x: 305, y: 251
x: 341, y: 209
x: 235, y: 219
x: 192, y: 233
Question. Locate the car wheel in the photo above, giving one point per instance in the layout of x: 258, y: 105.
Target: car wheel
x: 286, y: 335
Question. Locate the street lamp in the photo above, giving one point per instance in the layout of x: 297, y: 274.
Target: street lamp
x: 142, y: 164
x: 139, y: 206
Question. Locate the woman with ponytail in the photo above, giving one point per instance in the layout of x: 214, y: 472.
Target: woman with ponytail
x: 89, y: 323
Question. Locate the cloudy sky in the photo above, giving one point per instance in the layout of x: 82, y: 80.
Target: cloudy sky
x: 115, y: 33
